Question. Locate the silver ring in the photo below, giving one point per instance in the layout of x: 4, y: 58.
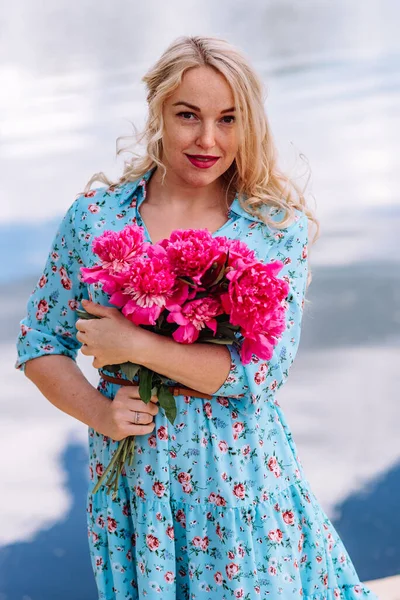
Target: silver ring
x: 136, y: 418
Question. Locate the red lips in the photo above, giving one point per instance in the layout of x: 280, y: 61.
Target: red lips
x: 202, y: 162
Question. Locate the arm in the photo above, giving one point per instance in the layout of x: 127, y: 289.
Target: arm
x: 188, y: 363
x: 47, y: 346
x: 262, y: 379
x: 62, y: 382
x: 49, y: 324
x: 203, y: 366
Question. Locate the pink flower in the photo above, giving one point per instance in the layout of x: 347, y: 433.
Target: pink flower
x: 240, y: 254
x: 255, y: 302
x: 218, y: 578
x: 288, y: 517
x: 117, y: 251
x: 193, y: 316
x: 43, y: 306
x: 111, y: 524
x: 184, y: 477
x: 193, y: 252
x: 231, y: 570
x: 152, y: 541
x: 275, y: 535
x: 66, y: 283
x: 158, y: 489
x: 239, y: 490
x: 149, y: 289
x: 272, y: 463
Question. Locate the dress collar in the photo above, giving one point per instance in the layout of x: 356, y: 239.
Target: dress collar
x: 138, y: 187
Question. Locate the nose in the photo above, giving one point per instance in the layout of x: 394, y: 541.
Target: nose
x: 206, y: 138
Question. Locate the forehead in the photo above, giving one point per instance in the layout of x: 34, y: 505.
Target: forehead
x: 203, y: 86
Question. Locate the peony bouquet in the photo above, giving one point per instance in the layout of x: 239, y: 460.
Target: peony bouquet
x: 192, y: 287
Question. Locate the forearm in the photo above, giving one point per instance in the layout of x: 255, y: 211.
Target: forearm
x: 203, y: 367
x: 62, y: 382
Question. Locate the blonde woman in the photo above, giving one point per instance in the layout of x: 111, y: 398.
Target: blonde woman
x: 217, y: 506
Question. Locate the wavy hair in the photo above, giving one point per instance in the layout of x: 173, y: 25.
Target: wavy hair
x: 254, y: 173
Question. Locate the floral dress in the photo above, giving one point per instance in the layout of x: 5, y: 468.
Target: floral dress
x: 216, y: 506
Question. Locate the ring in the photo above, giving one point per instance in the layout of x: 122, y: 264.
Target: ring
x: 136, y: 418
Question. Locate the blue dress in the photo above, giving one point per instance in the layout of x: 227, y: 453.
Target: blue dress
x: 217, y: 506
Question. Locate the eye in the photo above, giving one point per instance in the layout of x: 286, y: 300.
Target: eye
x: 181, y: 114
x: 230, y: 117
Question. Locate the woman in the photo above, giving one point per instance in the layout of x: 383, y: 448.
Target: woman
x: 218, y: 505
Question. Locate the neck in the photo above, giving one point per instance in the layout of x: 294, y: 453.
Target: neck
x: 174, y: 193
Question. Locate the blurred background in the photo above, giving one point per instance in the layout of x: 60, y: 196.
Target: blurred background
x: 70, y: 78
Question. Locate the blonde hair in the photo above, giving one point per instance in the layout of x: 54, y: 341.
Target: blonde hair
x: 254, y: 173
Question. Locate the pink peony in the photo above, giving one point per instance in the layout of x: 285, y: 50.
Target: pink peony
x: 240, y: 254
x: 254, y: 301
x: 193, y: 317
x: 117, y: 251
x: 150, y: 288
x: 192, y: 252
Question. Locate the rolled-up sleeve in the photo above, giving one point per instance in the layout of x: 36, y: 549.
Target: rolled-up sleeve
x: 48, y: 326
x: 260, y: 379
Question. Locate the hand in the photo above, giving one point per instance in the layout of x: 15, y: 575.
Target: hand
x: 118, y: 419
x: 112, y: 339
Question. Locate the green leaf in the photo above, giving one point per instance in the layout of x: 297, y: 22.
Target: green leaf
x: 129, y: 369
x: 112, y: 368
x: 221, y: 274
x: 187, y: 280
x: 82, y: 314
x: 230, y: 326
x: 213, y: 340
x: 168, y: 403
x: 225, y: 332
x: 145, y: 384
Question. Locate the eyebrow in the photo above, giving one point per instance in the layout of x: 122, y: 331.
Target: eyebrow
x: 232, y: 109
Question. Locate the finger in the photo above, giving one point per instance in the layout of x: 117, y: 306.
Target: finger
x: 80, y: 325
x: 98, y: 309
x: 81, y: 337
x: 133, y: 392
x: 137, y: 405
x: 140, y: 418
x: 142, y: 429
x: 97, y: 364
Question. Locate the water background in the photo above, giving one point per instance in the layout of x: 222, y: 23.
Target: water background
x: 70, y: 85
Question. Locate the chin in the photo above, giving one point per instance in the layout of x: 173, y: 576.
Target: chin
x: 198, y: 177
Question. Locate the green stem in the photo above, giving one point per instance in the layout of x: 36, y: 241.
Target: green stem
x: 110, y: 466
x: 113, y: 480
x: 131, y: 450
x: 116, y: 472
x: 125, y: 451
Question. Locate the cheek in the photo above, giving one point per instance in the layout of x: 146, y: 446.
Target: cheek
x: 230, y: 148
x: 234, y: 141
x: 176, y: 138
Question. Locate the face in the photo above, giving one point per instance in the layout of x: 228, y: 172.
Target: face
x: 199, y: 121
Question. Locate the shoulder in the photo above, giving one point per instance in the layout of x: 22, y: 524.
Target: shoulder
x: 297, y: 227
x: 95, y: 199
x: 298, y: 221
